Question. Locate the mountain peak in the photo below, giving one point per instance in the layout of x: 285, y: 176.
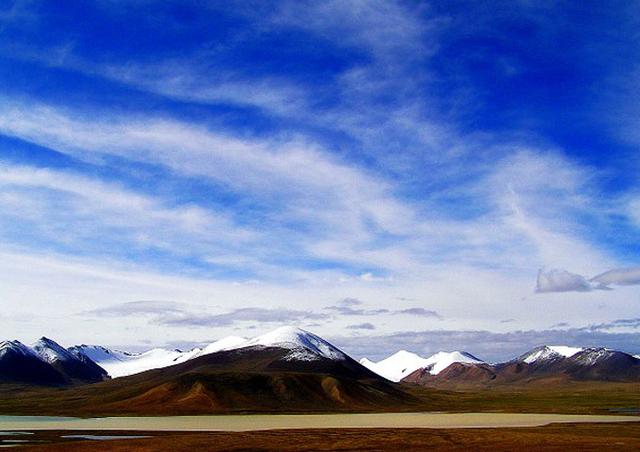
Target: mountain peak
x: 14, y: 346
x: 49, y: 350
x: 441, y: 360
x: 548, y: 352
x: 303, y: 344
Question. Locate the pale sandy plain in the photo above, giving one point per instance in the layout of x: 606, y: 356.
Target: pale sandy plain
x: 242, y: 423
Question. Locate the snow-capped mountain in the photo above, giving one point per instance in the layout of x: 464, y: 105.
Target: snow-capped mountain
x: 303, y: 345
x: 548, y: 352
x: 396, y: 366
x: 14, y: 347
x: 554, y: 364
x: 50, y: 351
x: 403, y: 363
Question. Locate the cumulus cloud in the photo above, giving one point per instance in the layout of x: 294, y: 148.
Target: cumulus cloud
x: 558, y: 280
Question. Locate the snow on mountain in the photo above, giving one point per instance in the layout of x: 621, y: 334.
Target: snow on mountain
x: 227, y: 343
x: 136, y: 363
x: 591, y: 356
x: 303, y: 345
x: 441, y: 360
x: 16, y: 346
x: 396, y: 366
x: 50, y: 351
x: 120, y: 364
x: 547, y: 352
x: 100, y: 354
x: 366, y: 362
x: 400, y: 364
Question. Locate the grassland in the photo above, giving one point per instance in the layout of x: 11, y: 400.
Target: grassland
x: 563, y: 437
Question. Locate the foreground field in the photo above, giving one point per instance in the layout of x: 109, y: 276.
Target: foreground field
x: 556, y: 437
x: 542, y: 397
x: 545, y: 396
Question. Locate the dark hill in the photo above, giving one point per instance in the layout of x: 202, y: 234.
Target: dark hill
x: 18, y: 364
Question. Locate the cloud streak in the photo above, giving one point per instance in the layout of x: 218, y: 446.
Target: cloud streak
x: 487, y: 345
x: 557, y: 280
x: 354, y: 307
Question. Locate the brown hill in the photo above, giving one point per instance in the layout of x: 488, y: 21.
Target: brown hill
x: 254, y: 379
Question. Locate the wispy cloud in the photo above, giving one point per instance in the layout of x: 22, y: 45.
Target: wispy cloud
x: 352, y: 306
x: 421, y: 312
x: 144, y: 308
x: 619, y: 276
x: 355, y: 307
x: 259, y: 315
x: 361, y: 326
x: 174, y: 314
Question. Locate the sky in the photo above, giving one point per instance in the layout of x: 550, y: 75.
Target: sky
x: 394, y: 174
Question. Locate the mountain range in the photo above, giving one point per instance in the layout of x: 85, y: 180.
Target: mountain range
x: 48, y: 363
x: 286, y: 370
x: 541, y: 365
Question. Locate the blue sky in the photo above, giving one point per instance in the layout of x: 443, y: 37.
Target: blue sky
x: 179, y: 171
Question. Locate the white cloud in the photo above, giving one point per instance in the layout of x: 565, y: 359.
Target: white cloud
x: 557, y: 280
x: 68, y: 207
